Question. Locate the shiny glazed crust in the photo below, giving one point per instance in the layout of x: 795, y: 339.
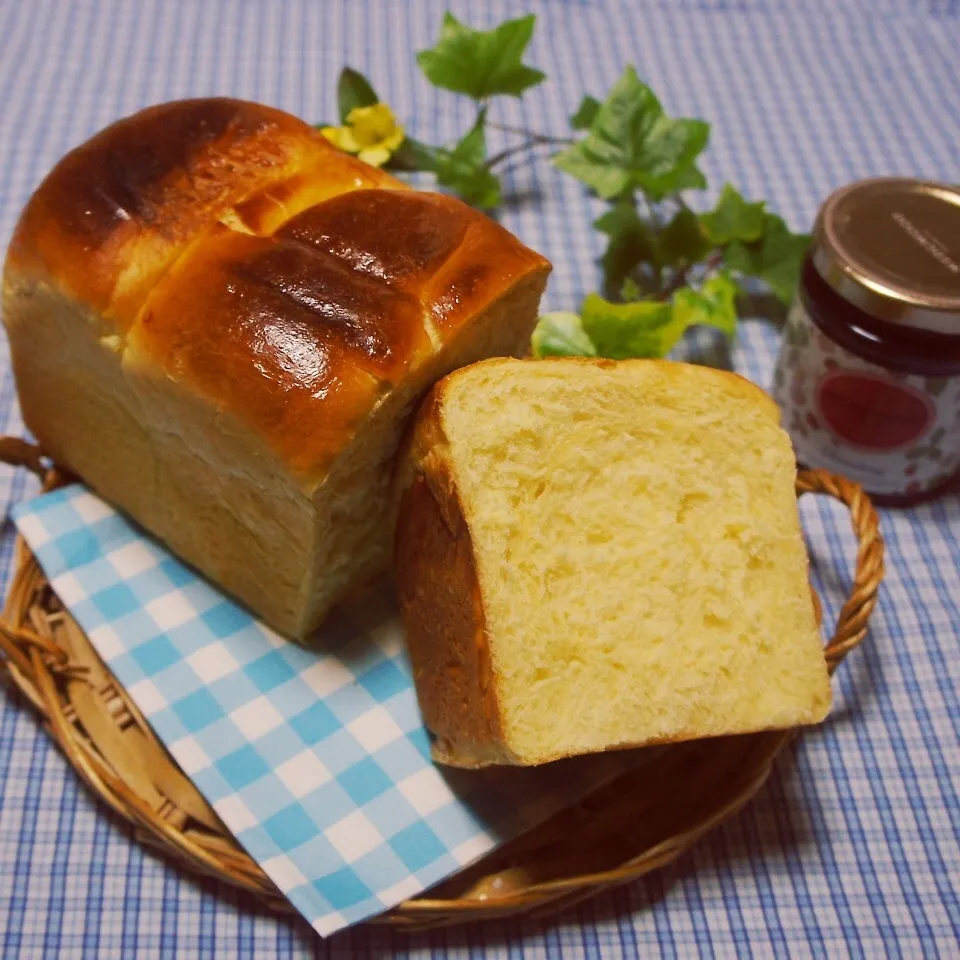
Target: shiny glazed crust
x: 251, y: 261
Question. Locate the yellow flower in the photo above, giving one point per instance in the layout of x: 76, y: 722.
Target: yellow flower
x: 370, y: 132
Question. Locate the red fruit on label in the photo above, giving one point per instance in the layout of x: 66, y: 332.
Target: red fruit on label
x: 872, y: 412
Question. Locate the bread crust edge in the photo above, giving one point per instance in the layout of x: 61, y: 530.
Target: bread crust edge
x: 441, y: 600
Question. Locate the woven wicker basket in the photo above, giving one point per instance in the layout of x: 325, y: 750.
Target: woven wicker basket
x: 640, y: 822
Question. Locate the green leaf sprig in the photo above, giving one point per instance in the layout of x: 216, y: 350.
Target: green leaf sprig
x: 665, y: 267
x: 481, y: 63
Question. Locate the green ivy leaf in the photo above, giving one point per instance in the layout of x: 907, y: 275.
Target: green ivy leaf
x: 713, y: 305
x: 644, y: 328
x: 733, y: 219
x: 561, y: 335
x: 633, y: 144
x: 630, y: 290
x: 606, y: 179
x: 464, y: 169
x: 353, y: 90
x: 682, y: 241
x: 413, y: 155
x: 620, y: 330
x: 690, y: 178
x: 631, y: 243
x: 586, y: 113
x: 481, y: 63
x: 776, y: 257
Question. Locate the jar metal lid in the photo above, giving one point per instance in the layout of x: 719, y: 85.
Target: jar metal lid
x: 891, y: 246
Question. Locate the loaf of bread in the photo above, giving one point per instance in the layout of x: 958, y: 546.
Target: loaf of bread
x: 594, y: 555
x: 221, y: 322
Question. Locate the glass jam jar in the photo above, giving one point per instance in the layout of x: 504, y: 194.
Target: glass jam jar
x: 868, y: 375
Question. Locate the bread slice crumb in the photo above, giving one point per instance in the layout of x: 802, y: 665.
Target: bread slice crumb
x: 637, y: 556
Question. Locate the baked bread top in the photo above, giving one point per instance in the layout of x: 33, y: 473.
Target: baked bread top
x: 229, y: 246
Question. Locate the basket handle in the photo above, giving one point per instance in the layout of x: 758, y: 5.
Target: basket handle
x: 851, y: 625
x: 20, y: 453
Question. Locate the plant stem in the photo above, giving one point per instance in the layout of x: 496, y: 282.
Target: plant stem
x: 713, y: 261
x: 512, y: 151
x: 680, y: 278
x: 531, y: 135
x: 652, y: 212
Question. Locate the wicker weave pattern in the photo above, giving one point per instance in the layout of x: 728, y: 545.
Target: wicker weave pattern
x: 623, y: 831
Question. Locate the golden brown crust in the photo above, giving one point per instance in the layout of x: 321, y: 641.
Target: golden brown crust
x: 441, y: 603
x: 329, y: 174
x: 288, y: 340
x: 116, y: 210
x: 238, y: 252
x: 399, y: 239
x: 455, y: 260
x: 489, y: 259
x: 299, y: 334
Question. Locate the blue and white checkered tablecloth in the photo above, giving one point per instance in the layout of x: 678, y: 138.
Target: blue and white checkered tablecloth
x: 853, y: 848
x: 315, y: 759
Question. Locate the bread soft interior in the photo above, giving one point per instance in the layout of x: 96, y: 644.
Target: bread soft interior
x: 638, y: 548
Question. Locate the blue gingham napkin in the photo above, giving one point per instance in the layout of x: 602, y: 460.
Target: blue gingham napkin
x: 316, y: 760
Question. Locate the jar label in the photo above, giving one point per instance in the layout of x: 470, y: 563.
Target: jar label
x: 872, y: 412
x: 895, y: 433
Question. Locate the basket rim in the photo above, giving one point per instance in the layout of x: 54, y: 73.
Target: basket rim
x: 39, y: 665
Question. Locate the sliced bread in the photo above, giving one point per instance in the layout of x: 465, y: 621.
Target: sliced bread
x: 594, y: 555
